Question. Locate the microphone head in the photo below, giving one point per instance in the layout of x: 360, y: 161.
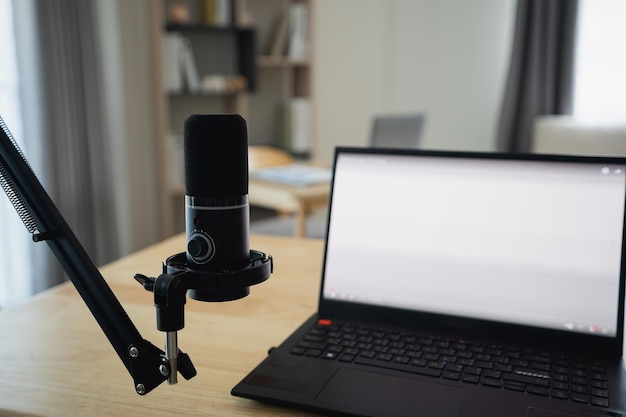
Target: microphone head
x: 216, y: 155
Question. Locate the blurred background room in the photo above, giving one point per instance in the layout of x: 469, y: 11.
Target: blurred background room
x: 96, y: 92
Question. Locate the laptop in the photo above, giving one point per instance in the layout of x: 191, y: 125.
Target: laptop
x: 462, y: 284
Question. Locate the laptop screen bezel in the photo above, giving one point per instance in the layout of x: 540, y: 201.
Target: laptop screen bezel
x: 465, y: 327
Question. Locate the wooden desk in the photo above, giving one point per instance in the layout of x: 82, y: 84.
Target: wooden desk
x: 55, y: 360
x: 289, y: 198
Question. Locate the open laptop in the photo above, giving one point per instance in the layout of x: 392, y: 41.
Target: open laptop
x: 463, y: 284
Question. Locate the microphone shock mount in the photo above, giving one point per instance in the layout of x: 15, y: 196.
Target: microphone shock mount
x: 170, y: 290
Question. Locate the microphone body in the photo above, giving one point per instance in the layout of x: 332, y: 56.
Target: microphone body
x: 217, y: 213
x: 218, y: 264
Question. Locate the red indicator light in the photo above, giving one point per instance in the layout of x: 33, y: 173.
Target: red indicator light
x: 324, y: 322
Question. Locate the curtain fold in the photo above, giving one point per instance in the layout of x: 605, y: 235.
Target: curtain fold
x: 70, y: 140
x: 540, y: 77
x: 76, y: 138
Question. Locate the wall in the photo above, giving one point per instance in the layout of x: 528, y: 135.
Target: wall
x: 445, y: 58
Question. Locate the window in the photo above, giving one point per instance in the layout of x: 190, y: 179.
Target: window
x: 15, y: 244
x: 600, y: 80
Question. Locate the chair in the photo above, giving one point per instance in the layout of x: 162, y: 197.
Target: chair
x: 260, y: 156
x: 397, y: 131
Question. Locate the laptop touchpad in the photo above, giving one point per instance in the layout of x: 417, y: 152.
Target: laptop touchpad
x: 392, y: 395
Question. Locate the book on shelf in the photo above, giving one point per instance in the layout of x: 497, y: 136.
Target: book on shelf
x: 173, y: 76
x: 277, y: 38
x: 295, y: 130
x: 218, y: 12
x: 298, y: 36
x: 181, y: 72
x: 241, y: 14
x: 289, y: 33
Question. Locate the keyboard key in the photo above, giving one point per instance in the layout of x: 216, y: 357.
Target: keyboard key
x: 514, y: 386
x: 537, y: 390
x: 473, y: 371
x: 534, y: 373
x: 503, y: 368
x: 466, y: 362
x: 314, y: 353
x: 561, y: 370
x: 314, y: 338
x: 560, y: 385
x: 528, y: 380
x: 330, y: 355
x: 312, y: 345
x: 368, y: 354
x: 391, y: 365
x: 580, y: 398
x: 491, y: 382
x: 454, y: 368
x: 418, y: 362
x: 560, y: 394
x: 541, y: 366
x: 599, y: 392
x: 436, y: 365
x: 580, y: 389
x: 598, y: 376
x: 600, y: 402
x: 401, y: 359
x: 598, y: 384
x: 492, y: 374
x: 471, y: 379
x: 451, y: 375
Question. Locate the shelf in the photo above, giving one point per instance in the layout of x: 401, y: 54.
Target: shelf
x: 267, y: 61
x: 226, y: 51
x: 202, y: 28
x: 273, y: 83
x: 205, y: 95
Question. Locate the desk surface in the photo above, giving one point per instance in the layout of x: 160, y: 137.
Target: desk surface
x: 55, y: 360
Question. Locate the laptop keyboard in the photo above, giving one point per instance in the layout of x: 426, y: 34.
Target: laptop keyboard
x: 469, y: 362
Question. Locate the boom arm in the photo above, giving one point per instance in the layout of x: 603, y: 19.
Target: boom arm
x: 145, y: 362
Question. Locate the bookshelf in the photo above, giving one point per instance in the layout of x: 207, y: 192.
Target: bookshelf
x: 243, y: 65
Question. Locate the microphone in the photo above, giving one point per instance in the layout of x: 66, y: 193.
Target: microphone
x: 218, y: 264
x: 217, y: 213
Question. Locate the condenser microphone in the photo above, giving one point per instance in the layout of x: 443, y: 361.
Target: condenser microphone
x: 218, y: 264
x: 217, y: 214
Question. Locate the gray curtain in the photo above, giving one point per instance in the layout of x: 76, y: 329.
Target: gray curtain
x: 540, y: 78
x: 73, y: 147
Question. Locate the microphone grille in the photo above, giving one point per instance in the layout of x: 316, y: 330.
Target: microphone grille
x: 216, y: 155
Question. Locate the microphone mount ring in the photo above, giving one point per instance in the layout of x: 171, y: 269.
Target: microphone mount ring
x: 170, y: 289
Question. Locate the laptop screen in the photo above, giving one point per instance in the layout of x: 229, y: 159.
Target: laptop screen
x: 530, y: 242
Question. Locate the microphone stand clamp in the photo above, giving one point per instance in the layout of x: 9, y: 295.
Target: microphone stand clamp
x: 170, y: 290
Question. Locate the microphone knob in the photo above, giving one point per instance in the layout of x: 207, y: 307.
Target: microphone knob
x: 200, y: 248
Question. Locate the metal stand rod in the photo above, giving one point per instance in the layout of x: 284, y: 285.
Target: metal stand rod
x: 171, y: 354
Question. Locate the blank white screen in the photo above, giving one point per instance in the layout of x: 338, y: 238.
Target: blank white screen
x: 528, y: 242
